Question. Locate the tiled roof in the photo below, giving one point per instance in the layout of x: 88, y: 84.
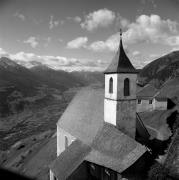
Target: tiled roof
x: 99, y: 142
x: 69, y: 160
x: 110, y: 148
x: 113, y: 149
x: 120, y: 63
x: 84, y: 115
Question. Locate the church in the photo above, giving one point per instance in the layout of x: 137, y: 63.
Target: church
x: 96, y: 135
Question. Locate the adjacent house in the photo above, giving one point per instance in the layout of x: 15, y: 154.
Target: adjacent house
x: 149, y: 98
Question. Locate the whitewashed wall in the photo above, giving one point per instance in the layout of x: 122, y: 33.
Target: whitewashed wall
x: 61, y: 134
x: 145, y: 106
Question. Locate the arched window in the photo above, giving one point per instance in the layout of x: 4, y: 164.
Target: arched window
x: 126, y: 87
x: 111, y: 85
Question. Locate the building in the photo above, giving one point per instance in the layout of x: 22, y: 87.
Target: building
x: 149, y: 98
x: 96, y: 135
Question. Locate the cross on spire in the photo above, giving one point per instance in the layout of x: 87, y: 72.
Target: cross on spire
x: 120, y: 33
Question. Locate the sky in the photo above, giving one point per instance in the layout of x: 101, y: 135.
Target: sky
x: 84, y: 34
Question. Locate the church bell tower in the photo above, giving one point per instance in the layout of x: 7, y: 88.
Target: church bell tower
x: 120, y: 93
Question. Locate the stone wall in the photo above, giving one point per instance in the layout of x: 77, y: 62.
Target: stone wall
x: 126, y: 117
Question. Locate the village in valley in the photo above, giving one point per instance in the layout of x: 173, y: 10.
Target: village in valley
x: 116, y: 118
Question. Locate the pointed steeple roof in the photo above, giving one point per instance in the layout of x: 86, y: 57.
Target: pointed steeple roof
x: 120, y: 63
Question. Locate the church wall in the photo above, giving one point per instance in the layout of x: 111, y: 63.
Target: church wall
x: 110, y: 111
x: 114, y: 94
x: 63, y: 139
x: 120, y: 93
x: 126, y: 117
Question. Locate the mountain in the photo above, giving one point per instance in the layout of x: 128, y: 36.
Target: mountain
x: 55, y: 78
x: 18, y: 84
x: 15, y: 76
x: 87, y: 77
x: 160, y: 69
x: 170, y: 89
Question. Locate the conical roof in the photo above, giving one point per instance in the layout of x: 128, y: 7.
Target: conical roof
x: 120, y: 63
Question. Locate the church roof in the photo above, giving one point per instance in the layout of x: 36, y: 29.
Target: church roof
x: 97, y: 141
x: 113, y: 149
x: 69, y: 160
x: 120, y: 63
x: 110, y: 148
x: 84, y: 116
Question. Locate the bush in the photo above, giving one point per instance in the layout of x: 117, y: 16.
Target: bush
x: 158, y: 172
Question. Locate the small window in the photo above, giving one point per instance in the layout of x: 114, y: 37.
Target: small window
x: 126, y: 87
x: 150, y: 101
x: 139, y: 101
x: 111, y: 85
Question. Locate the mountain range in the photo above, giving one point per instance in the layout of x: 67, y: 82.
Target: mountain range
x: 18, y: 82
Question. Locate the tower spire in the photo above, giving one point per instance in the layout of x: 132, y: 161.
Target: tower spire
x: 120, y: 62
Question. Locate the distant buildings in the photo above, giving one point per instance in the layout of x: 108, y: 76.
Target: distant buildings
x: 149, y: 98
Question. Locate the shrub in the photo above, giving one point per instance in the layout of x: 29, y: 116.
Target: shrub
x: 158, y: 172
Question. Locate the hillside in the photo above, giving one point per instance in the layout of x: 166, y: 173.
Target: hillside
x: 18, y: 85
x: 32, y: 100
x: 56, y: 78
x: 170, y: 89
x: 160, y: 69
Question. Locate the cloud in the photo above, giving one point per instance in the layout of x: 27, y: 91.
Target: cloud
x: 151, y: 29
x: 32, y: 41
x: 154, y: 56
x: 75, y: 19
x: 99, y: 18
x: 20, y: 16
x: 121, y: 22
x: 2, y: 52
x: 53, y: 23
x: 136, y: 53
x: 30, y: 60
x: 175, y: 49
x: 110, y: 44
x: 77, y: 43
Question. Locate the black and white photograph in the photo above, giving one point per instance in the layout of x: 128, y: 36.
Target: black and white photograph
x: 89, y: 89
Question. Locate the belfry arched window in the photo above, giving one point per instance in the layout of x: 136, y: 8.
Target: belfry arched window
x: 126, y: 87
x: 111, y: 85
